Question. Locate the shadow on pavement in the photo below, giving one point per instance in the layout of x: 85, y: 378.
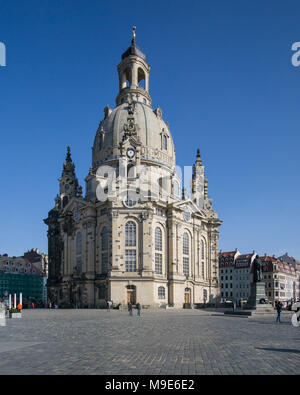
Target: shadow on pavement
x: 280, y: 350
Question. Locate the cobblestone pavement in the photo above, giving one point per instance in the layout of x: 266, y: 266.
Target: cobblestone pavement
x: 159, y: 342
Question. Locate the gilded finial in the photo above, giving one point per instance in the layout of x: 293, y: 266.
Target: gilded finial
x: 133, y: 34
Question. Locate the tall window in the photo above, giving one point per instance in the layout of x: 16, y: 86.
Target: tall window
x: 79, y: 243
x: 186, y: 254
x: 130, y: 260
x: 158, y: 247
x: 158, y: 239
x: 158, y: 263
x: 130, y: 243
x: 130, y: 234
x: 78, y: 265
x: 202, y: 250
x: 164, y: 142
x: 161, y: 293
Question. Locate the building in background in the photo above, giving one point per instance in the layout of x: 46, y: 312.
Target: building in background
x: 226, y: 274
x: 280, y: 275
x: 281, y: 280
x: 243, y: 276
x: 19, y: 275
x: 296, y: 264
x: 235, y: 275
x: 39, y: 259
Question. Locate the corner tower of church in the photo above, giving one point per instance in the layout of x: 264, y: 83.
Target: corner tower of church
x: 133, y: 237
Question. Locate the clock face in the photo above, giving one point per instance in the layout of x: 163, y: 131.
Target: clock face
x: 130, y: 153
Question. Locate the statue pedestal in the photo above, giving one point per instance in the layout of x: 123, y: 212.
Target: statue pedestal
x: 258, y: 292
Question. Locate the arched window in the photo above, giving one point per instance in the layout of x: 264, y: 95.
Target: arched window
x: 79, y: 243
x: 186, y: 244
x: 161, y: 293
x: 158, y: 239
x: 158, y: 247
x: 126, y: 78
x: 141, y: 78
x: 130, y: 234
x: 130, y: 243
x: 186, y: 254
x: 164, y: 142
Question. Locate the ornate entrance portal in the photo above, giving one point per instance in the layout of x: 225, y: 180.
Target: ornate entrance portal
x: 187, y: 296
x: 131, y: 294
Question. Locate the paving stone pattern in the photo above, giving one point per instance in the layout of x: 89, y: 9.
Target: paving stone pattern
x: 159, y: 342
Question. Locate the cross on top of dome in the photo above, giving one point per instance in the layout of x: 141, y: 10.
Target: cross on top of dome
x: 134, y: 50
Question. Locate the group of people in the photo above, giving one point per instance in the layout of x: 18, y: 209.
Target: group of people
x: 130, y: 309
x: 110, y: 305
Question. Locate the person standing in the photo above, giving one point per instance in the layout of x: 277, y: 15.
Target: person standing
x: 138, y: 306
x: 109, y: 305
x: 130, y: 308
x: 278, y: 308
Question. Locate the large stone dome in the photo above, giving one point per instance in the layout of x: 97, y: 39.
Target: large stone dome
x: 152, y: 132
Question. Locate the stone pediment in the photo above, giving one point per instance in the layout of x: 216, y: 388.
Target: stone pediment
x: 73, y: 204
x: 130, y: 142
x: 189, y: 205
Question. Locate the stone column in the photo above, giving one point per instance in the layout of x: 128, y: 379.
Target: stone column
x: 173, y: 247
x: 134, y: 76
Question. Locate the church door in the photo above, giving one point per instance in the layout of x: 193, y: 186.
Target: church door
x: 187, y: 296
x: 131, y: 294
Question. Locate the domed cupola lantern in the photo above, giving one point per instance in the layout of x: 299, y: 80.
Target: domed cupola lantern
x: 134, y: 75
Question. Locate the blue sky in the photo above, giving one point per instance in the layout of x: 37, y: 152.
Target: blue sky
x: 221, y: 72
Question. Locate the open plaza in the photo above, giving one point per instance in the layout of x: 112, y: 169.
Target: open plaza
x: 160, y: 342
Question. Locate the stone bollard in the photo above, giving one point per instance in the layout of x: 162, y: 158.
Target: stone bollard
x: 2, y: 315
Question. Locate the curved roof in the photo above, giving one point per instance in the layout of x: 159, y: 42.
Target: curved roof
x: 149, y: 129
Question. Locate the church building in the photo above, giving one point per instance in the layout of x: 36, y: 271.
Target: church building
x: 135, y: 236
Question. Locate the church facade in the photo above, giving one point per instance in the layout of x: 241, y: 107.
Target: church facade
x: 135, y: 236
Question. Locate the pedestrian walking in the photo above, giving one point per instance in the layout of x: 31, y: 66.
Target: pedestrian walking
x: 278, y: 308
x: 138, y: 306
x: 130, y: 308
x: 109, y: 305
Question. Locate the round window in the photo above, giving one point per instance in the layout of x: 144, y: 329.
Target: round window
x: 129, y: 202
